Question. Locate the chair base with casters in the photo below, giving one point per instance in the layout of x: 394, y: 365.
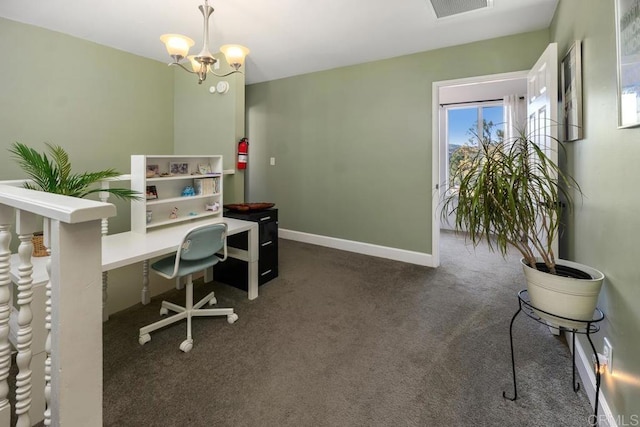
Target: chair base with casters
x: 191, y: 258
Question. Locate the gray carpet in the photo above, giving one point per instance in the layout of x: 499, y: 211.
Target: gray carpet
x: 341, y: 339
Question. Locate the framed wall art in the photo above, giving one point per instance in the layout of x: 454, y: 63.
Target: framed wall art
x: 571, y: 84
x: 628, y: 62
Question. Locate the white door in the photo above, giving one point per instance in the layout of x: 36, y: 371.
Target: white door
x: 542, y: 106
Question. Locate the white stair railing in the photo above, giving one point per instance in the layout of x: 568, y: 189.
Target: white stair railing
x: 74, y: 310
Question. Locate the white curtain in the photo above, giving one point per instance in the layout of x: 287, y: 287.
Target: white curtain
x: 515, y: 116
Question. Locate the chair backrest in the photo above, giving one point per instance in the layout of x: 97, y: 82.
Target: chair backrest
x: 204, y: 242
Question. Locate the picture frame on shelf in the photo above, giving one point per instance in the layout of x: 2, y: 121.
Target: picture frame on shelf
x: 152, y: 192
x: 153, y: 170
x: 628, y: 63
x: 571, y: 85
x: 179, y: 168
x: 204, y: 169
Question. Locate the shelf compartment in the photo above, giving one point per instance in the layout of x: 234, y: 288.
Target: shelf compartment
x: 174, y: 177
x: 184, y: 218
x: 153, y: 202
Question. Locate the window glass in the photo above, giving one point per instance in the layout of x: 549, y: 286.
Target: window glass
x: 465, y: 125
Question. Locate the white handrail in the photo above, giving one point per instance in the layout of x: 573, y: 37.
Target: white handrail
x: 67, y: 209
x: 20, y: 182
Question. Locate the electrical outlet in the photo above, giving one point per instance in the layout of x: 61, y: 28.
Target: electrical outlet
x: 607, y: 351
x: 272, y: 161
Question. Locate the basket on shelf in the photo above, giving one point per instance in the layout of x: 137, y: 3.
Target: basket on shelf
x: 39, y: 250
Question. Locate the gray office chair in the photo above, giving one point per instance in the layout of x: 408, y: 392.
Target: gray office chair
x: 197, y: 252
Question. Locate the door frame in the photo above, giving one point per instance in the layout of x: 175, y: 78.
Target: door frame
x: 436, y: 185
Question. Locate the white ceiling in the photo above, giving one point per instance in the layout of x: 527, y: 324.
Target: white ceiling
x: 286, y: 37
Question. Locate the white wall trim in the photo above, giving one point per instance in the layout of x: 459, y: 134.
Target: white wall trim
x: 588, y: 383
x: 396, y: 254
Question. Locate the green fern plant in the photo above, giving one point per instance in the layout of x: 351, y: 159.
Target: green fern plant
x: 53, y: 173
x: 511, y: 194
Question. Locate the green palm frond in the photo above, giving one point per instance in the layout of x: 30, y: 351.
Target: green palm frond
x: 60, y: 159
x: 37, y: 166
x: 53, y: 174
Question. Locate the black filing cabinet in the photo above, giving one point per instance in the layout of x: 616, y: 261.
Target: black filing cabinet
x: 233, y: 271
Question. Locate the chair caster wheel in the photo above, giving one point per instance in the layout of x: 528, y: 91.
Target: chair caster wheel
x: 164, y: 311
x: 213, y: 301
x: 231, y: 318
x: 143, y: 339
x: 186, y: 346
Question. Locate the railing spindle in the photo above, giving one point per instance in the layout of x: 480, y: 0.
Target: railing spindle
x: 6, y: 215
x: 104, y: 228
x: 25, y: 226
x: 47, y: 325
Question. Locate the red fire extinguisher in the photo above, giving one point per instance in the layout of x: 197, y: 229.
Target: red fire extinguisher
x: 243, y: 153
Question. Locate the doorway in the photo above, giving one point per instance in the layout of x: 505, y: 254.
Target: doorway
x: 467, y: 91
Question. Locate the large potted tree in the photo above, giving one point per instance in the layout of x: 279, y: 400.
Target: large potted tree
x: 510, y: 194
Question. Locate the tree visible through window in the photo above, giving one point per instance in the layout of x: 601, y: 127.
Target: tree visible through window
x: 466, y: 126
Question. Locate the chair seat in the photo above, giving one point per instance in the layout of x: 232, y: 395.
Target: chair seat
x: 166, y: 265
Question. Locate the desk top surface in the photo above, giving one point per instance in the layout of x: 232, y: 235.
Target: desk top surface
x: 129, y: 247
x: 121, y: 249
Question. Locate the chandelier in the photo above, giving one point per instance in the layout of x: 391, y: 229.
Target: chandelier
x: 178, y: 47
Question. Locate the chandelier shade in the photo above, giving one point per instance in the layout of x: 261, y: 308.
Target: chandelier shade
x: 204, y: 62
x: 235, y: 54
x: 177, y: 45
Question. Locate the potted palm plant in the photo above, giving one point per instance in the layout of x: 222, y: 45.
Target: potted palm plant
x: 53, y: 175
x: 509, y: 193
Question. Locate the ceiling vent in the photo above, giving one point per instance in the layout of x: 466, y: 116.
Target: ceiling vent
x: 445, y: 8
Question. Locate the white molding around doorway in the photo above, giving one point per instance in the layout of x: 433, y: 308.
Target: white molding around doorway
x: 469, y: 82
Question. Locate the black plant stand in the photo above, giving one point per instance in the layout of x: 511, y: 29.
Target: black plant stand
x: 591, y: 326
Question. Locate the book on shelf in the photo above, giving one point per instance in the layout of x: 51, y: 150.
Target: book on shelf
x: 152, y: 192
x: 204, y: 186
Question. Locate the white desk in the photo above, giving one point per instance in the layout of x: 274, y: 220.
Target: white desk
x: 119, y: 250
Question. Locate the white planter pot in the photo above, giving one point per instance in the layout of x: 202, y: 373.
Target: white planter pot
x: 564, y: 296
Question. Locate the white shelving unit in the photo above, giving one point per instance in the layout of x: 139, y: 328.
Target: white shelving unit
x: 169, y: 188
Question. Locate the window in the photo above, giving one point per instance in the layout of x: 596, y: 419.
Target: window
x: 465, y: 124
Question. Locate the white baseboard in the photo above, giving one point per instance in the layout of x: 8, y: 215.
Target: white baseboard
x: 403, y: 255
x: 588, y: 383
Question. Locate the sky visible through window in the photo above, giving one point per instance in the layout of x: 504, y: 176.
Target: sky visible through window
x: 463, y: 134
x: 461, y: 119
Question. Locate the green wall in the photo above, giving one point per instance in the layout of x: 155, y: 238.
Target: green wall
x: 207, y: 123
x: 98, y: 103
x: 103, y: 105
x: 353, y: 145
x: 604, y: 231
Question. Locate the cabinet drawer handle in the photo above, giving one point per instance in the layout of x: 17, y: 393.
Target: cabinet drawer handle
x: 265, y: 273
x: 265, y: 218
x: 266, y: 243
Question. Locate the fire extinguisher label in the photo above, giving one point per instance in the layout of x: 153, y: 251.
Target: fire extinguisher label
x: 242, y: 158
